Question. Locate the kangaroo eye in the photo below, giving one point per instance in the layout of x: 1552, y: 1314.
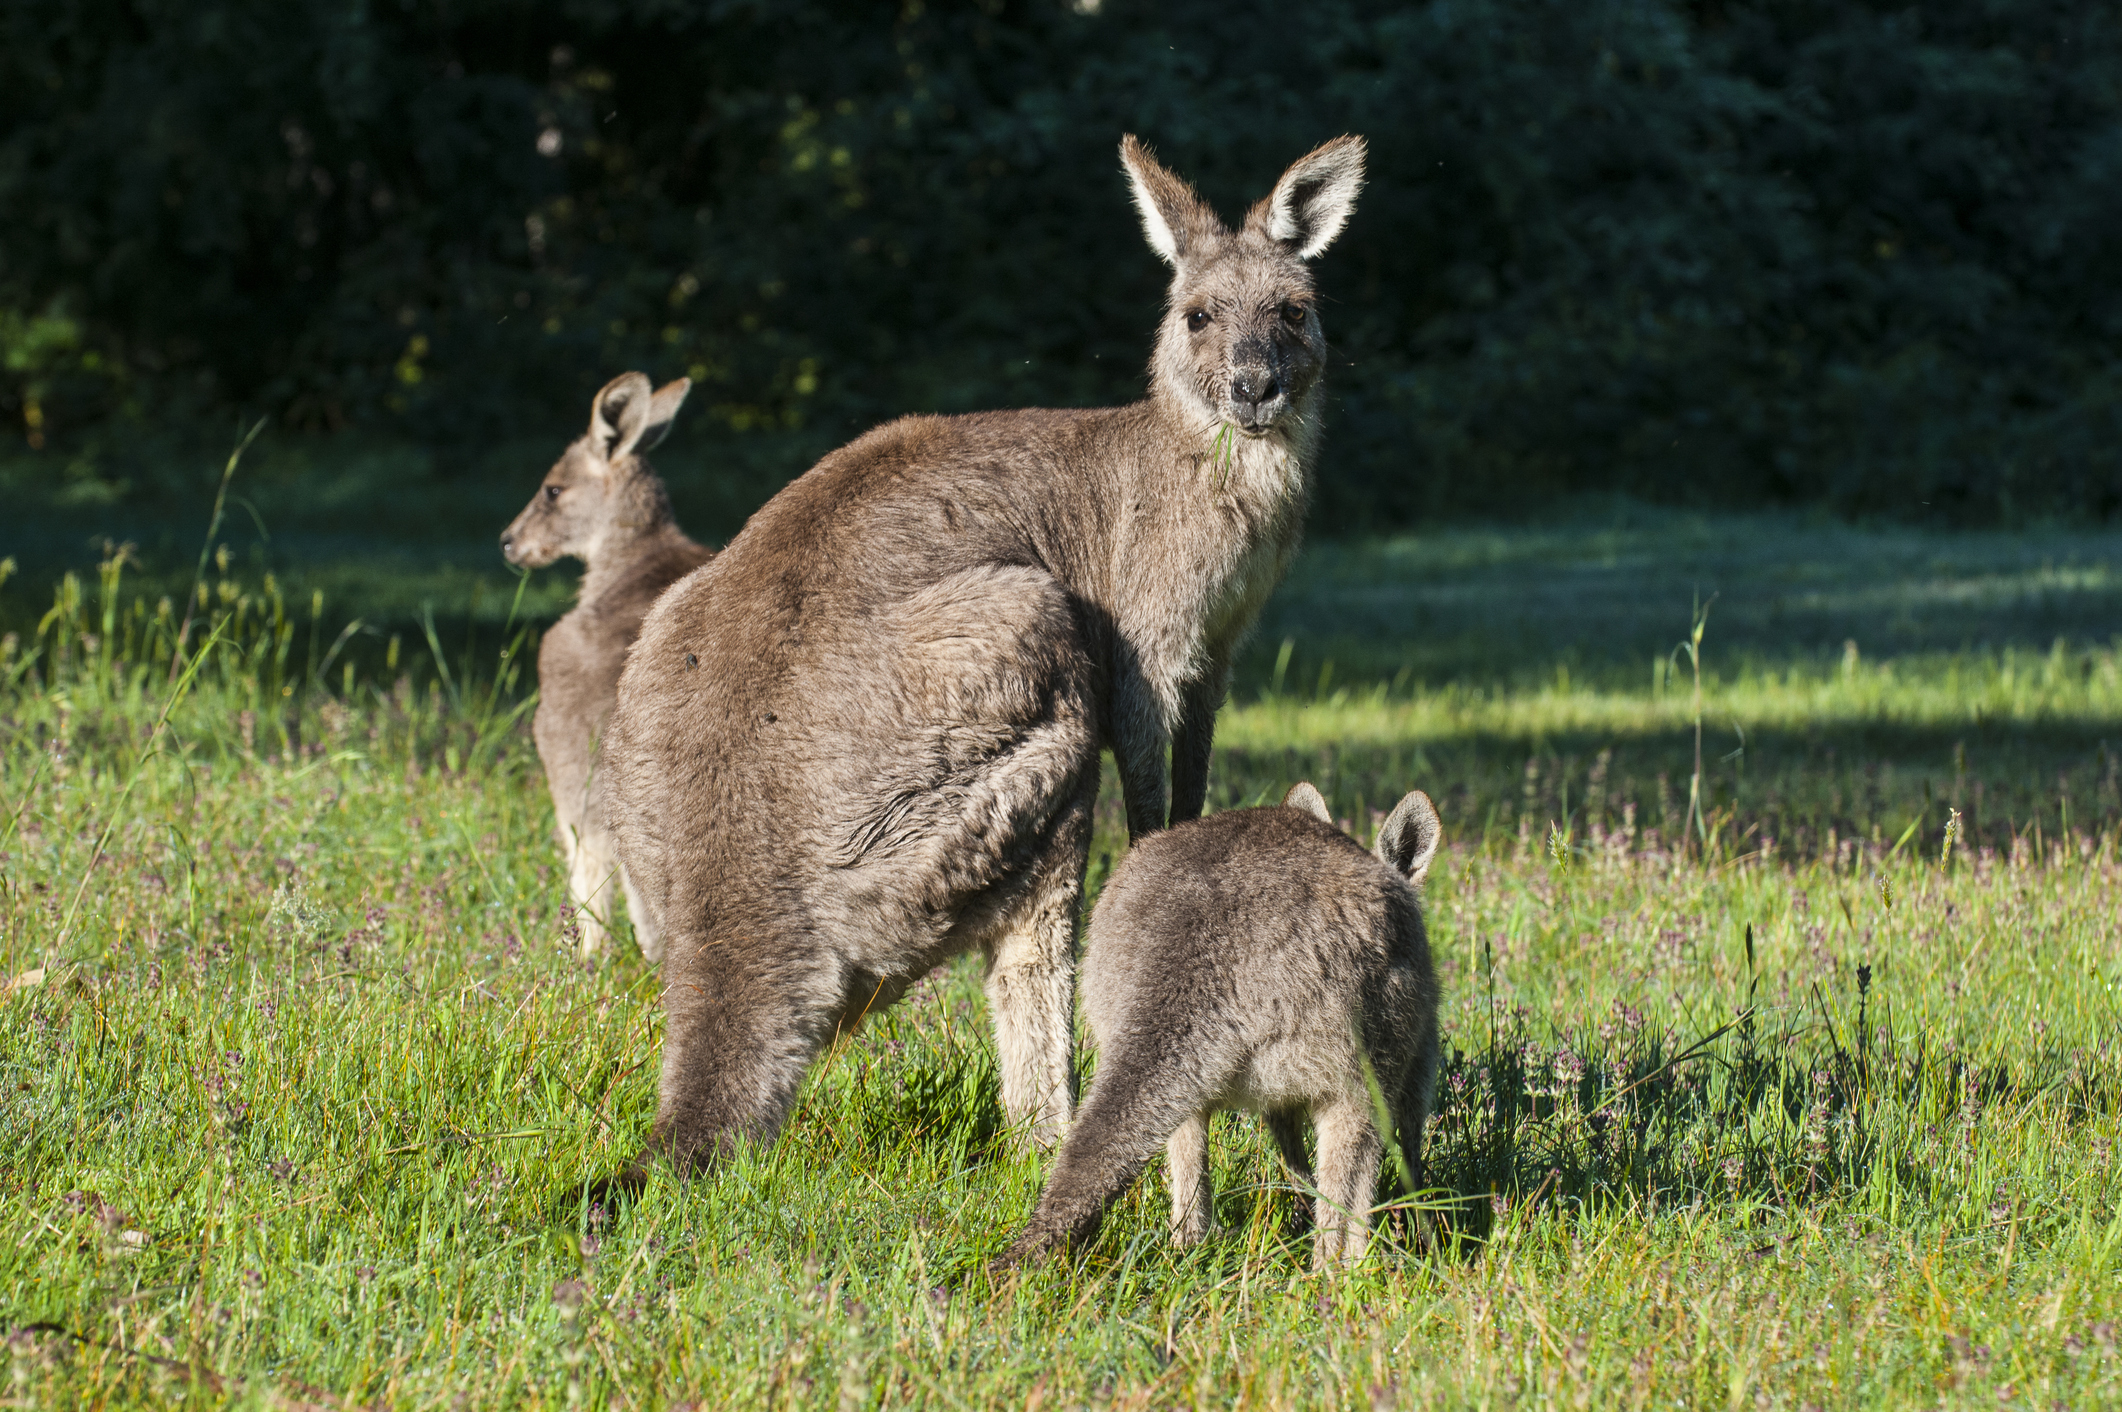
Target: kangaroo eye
x: 1293, y: 315
x: 1198, y: 320
x: 552, y: 492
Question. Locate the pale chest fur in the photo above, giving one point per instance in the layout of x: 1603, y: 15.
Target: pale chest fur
x: 1261, y: 503
x: 1198, y: 567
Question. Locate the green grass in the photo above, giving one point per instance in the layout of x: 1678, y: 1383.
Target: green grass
x: 1791, y: 1108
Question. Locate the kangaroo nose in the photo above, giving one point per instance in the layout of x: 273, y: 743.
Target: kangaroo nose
x: 1253, y: 387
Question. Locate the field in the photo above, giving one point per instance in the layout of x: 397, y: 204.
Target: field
x: 1787, y: 1081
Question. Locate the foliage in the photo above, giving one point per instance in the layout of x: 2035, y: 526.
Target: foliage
x: 1738, y: 252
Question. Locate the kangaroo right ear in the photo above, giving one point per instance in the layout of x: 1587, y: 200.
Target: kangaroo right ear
x: 1315, y: 197
x: 662, y: 411
x: 1407, y: 840
x: 620, y: 414
x: 1304, y: 795
x: 1176, y: 221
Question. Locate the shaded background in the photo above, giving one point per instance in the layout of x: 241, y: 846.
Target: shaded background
x: 1860, y: 256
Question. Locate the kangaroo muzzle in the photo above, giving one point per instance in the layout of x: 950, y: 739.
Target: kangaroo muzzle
x: 1257, y: 397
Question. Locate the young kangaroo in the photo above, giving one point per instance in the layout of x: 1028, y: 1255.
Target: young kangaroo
x: 1256, y: 959
x: 865, y: 736
x: 602, y: 504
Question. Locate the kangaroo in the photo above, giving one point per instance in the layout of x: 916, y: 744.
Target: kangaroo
x: 602, y: 504
x: 865, y: 736
x: 1256, y: 959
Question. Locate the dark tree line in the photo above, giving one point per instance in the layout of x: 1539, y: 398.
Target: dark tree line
x: 1787, y: 251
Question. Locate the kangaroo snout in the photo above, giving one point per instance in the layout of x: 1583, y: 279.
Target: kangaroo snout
x: 523, y: 547
x: 1256, y: 397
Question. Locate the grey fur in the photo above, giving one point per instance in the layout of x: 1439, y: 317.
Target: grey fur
x: 600, y: 503
x: 866, y: 736
x: 1258, y: 959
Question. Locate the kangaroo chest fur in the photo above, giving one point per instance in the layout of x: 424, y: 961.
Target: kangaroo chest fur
x: 1245, y: 508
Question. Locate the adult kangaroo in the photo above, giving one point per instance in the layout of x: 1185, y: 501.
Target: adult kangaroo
x: 865, y: 736
x: 603, y: 504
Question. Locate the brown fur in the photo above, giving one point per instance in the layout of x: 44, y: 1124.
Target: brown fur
x: 1258, y: 959
x: 865, y: 737
x: 600, y: 503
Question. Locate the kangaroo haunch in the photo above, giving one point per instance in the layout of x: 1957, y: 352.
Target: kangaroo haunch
x: 602, y: 504
x: 1257, y: 959
x: 865, y: 736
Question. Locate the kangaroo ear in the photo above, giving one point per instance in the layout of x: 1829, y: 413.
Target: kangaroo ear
x: 1407, y: 840
x: 1314, y: 199
x: 1176, y: 221
x: 1303, y: 795
x: 662, y: 411
x: 619, y: 415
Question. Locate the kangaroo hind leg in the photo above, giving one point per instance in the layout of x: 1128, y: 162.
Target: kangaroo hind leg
x: 1031, y: 979
x: 742, y: 1029
x: 1349, y: 1149
x: 1193, y: 1195
x: 592, y: 869
x: 983, y: 815
x: 648, y: 932
x: 1137, y: 1102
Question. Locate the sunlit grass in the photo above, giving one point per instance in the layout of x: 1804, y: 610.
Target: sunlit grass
x: 2065, y: 687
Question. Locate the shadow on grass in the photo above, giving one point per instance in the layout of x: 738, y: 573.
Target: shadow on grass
x: 1798, y: 792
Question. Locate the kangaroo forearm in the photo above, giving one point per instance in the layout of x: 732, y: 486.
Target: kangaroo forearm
x: 1191, y: 746
x: 1142, y: 785
x: 1139, y: 739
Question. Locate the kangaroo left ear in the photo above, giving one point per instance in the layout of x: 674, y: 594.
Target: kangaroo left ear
x: 1314, y: 199
x: 1408, y: 839
x: 619, y: 415
x: 1305, y: 796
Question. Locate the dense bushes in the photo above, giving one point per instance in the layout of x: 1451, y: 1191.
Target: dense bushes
x: 1867, y: 254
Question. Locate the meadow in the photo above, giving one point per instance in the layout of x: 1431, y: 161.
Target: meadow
x: 1780, y: 1006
